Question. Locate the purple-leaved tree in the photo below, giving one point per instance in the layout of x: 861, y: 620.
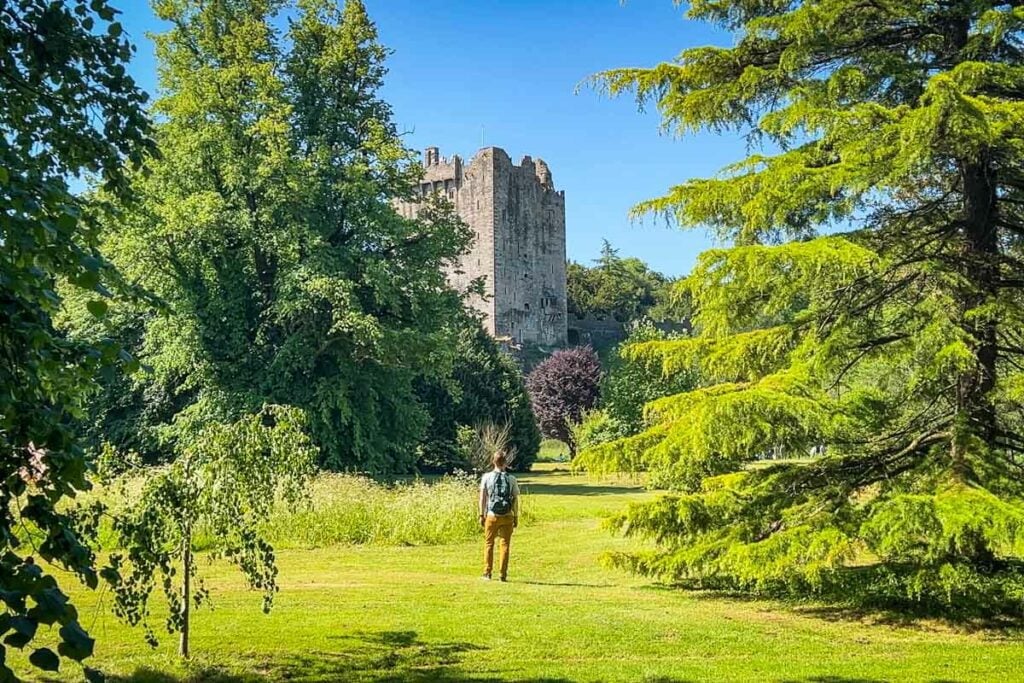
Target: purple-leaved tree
x: 561, y: 388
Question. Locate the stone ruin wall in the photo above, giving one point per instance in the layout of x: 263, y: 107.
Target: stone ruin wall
x: 519, y: 250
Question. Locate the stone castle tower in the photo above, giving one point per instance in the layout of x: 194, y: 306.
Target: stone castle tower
x: 519, y: 221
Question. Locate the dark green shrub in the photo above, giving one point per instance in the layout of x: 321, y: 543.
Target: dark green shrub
x: 485, y: 386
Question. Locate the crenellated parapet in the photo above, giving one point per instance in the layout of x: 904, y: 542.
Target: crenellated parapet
x: 519, y: 219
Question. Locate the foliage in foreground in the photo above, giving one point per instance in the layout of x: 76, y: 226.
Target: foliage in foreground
x: 331, y: 509
x: 562, y: 388
x: 268, y: 229
x: 224, y: 483
x: 897, y: 344
x: 628, y: 385
x: 420, y: 614
x: 66, y: 108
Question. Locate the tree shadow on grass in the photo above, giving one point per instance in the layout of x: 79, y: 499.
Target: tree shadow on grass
x: 387, y: 656
x: 992, y: 627
x: 838, y: 679
x: 908, y: 616
x: 567, y: 584
x: 580, y: 489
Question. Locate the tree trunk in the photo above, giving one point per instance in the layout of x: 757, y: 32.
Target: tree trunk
x: 981, y: 272
x: 186, y: 592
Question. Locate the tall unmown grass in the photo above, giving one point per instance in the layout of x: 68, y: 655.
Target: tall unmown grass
x: 345, y: 510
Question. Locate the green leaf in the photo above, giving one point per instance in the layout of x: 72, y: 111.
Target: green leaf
x: 51, y: 605
x: 76, y: 643
x: 88, y: 280
x: 46, y: 659
x: 68, y: 222
x: 98, y: 307
x: 24, y: 626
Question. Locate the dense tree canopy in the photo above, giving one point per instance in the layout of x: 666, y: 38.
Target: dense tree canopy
x: 66, y: 109
x: 895, y: 342
x: 631, y: 382
x: 268, y: 231
x: 485, y: 387
x: 562, y: 388
x: 623, y: 288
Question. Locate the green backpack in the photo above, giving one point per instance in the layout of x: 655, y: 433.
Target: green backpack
x: 499, y: 495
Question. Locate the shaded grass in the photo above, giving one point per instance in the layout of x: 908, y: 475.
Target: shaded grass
x: 375, y: 613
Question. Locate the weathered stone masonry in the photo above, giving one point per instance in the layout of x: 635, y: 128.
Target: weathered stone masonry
x: 519, y: 221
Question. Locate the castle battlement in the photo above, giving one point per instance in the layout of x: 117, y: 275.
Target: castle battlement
x: 519, y: 220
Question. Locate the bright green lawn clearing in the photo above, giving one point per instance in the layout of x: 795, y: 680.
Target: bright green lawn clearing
x: 553, y: 450
x: 422, y: 614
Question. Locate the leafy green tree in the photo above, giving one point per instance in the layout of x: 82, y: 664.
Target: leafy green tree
x: 623, y: 288
x: 631, y: 382
x: 485, y: 387
x: 896, y: 344
x: 268, y: 229
x: 68, y: 110
x: 222, y: 487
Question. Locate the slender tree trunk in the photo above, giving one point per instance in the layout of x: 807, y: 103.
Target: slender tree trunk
x: 186, y: 592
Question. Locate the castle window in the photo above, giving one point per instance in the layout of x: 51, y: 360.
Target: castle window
x: 526, y: 306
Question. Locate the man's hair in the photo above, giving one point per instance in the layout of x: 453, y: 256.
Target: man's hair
x: 500, y: 460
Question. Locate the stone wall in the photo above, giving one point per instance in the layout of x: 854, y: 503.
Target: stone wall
x: 604, y: 332
x: 519, y: 250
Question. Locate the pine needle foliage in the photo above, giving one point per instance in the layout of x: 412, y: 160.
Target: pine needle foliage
x: 869, y: 309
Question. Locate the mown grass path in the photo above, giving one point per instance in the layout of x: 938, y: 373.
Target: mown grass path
x: 423, y: 614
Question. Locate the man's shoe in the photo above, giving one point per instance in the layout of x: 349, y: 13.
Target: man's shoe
x: 486, y: 577
x: 504, y: 580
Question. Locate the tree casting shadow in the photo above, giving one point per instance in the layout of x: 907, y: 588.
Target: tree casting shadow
x: 389, y: 656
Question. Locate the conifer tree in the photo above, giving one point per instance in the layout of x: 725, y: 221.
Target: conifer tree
x: 871, y: 304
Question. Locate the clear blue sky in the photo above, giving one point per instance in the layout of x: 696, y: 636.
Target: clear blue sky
x: 505, y: 72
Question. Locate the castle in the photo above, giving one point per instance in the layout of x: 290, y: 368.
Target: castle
x: 519, y: 250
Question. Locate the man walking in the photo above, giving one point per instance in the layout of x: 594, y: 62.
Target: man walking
x: 499, y: 513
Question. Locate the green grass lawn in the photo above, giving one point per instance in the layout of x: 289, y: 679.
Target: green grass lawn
x: 553, y: 450
x: 423, y: 614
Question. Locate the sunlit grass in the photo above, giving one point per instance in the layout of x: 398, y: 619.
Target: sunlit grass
x: 553, y: 450
x: 420, y: 613
x: 344, y: 509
